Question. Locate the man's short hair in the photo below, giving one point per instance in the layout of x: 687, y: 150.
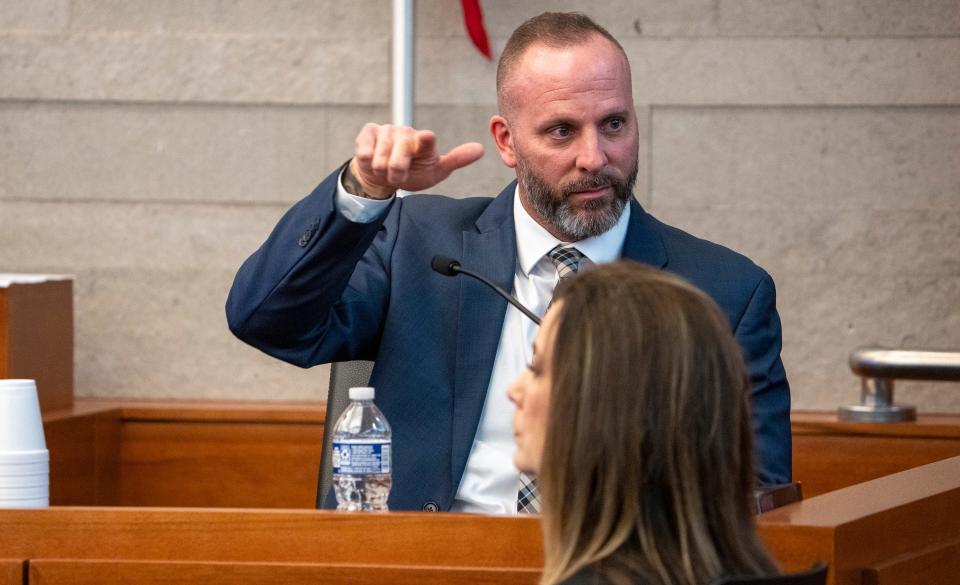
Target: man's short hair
x: 554, y: 29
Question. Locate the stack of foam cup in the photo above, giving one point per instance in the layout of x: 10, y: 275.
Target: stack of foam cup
x: 24, y: 459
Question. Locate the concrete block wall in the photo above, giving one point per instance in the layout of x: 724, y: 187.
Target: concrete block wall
x: 148, y: 146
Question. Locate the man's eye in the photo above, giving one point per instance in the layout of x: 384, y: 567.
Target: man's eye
x: 615, y: 124
x: 561, y: 131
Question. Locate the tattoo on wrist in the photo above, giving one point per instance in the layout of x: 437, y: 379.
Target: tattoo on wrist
x: 352, y: 184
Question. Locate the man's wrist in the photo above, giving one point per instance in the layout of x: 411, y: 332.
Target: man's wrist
x: 354, y: 186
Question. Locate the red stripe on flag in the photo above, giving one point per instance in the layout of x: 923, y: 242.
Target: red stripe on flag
x: 473, y: 18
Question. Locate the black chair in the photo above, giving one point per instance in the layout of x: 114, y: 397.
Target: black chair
x: 343, y: 376
x: 771, y: 497
x: 816, y: 575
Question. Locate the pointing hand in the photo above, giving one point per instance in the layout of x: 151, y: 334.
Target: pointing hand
x: 390, y: 157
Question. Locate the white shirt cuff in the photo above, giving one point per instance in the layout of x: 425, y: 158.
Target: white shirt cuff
x: 359, y: 209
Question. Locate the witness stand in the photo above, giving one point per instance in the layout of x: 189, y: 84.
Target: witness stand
x: 899, y: 529
x: 170, y: 493
x: 220, y: 465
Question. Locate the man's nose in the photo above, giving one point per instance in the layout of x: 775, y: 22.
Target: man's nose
x: 591, y: 156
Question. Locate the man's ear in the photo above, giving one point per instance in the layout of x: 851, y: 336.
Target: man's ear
x: 503, y: 138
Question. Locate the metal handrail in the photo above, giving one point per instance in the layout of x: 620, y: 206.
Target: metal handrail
x: 878, y: 367
x: 902, y: 364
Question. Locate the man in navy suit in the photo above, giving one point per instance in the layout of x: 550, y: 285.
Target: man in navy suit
x: 346, y: 273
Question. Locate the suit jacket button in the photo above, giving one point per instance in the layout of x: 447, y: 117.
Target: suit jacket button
x: 305, y: 238
x: 431, y: 506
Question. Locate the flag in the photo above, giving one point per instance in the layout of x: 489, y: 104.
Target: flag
x: 473, y: 18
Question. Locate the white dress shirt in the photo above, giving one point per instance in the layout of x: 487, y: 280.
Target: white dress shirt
x: 490, y: 482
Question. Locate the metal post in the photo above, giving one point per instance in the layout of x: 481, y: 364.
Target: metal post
x: 402, y: 58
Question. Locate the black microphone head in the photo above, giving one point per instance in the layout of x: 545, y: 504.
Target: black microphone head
x: 445, y: 265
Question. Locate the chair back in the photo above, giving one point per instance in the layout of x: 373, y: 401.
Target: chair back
x: 343, y: 376
x: 816, y: 575
x: 774, y: 496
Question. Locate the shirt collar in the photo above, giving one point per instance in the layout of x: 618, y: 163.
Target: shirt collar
x: 533, y: 241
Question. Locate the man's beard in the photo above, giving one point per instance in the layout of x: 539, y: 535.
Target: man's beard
x: 574, y: 223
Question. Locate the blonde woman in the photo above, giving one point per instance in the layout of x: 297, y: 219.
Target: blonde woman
x: 633, y: 414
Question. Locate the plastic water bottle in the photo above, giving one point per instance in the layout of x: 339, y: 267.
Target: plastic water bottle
x: 361, y: 455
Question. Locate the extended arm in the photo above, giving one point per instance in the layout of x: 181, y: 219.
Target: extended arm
x: 316, y: 291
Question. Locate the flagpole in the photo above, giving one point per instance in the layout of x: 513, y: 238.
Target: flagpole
x: 402, y: 56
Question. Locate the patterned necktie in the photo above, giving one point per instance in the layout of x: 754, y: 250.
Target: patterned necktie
x: 567, y: 261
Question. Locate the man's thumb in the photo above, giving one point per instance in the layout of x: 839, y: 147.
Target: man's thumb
x: 461, y: 156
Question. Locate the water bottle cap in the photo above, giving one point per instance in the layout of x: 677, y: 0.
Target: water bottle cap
x: 361, y: 393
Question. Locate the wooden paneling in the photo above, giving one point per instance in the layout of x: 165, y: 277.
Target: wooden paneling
x: 4, y: 333
x: 231, y: 411
x: 938, y: 564
x: 897, y: 524
x: 220, y: 464
x: 869, y: 524
x: 36, y: 338
x: 267, y: 455
x: 829, y: 454
x: 262, y: 455
x: 84, y: 456
x: 11, y: 572
x: 59, y: 572
x: 281, y: 536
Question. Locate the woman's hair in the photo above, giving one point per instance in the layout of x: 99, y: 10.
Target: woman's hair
x: 647, y: 469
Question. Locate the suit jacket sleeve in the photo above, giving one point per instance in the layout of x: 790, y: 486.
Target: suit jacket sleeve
x: 759, y: 333
x: 316, y: 290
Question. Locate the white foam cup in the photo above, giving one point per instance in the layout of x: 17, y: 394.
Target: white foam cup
x: 24, y: 463
x: 25, y: 469
x: 24, y: 480
x: 26, y: 503
x: 21, y: 428
x: 33, y: 492
x: 24, y: 457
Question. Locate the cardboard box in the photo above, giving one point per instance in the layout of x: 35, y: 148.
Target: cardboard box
x: 36, y: 334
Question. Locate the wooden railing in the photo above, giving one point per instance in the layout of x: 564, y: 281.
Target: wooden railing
x: 894, y: 530
x: 185, y: 454
x: 829, y: 454
x: 97, y: 545
x: 267, y: 455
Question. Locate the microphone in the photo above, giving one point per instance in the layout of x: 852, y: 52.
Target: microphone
x: 447, y: 266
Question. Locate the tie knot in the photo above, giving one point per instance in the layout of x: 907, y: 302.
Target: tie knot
x: 566, y: 259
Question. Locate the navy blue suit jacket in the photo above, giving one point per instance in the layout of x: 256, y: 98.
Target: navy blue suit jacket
x: 323, y: 289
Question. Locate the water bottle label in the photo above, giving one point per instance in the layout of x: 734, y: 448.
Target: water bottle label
x: 353, y: 457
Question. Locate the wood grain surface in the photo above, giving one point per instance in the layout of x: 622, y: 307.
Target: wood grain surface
x: 937, y: 564
x: 266, y: 455
x: 869, y: 524
x: 285, y: 536
x: 36, y: 338
x: 11, y: 572
x: 829, y: 454
x: 223, y: 464
x: 904, y: 523
x: 59, y: 572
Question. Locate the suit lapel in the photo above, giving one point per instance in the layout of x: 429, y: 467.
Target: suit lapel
x: 643, y: 242
x: 489, y: 249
